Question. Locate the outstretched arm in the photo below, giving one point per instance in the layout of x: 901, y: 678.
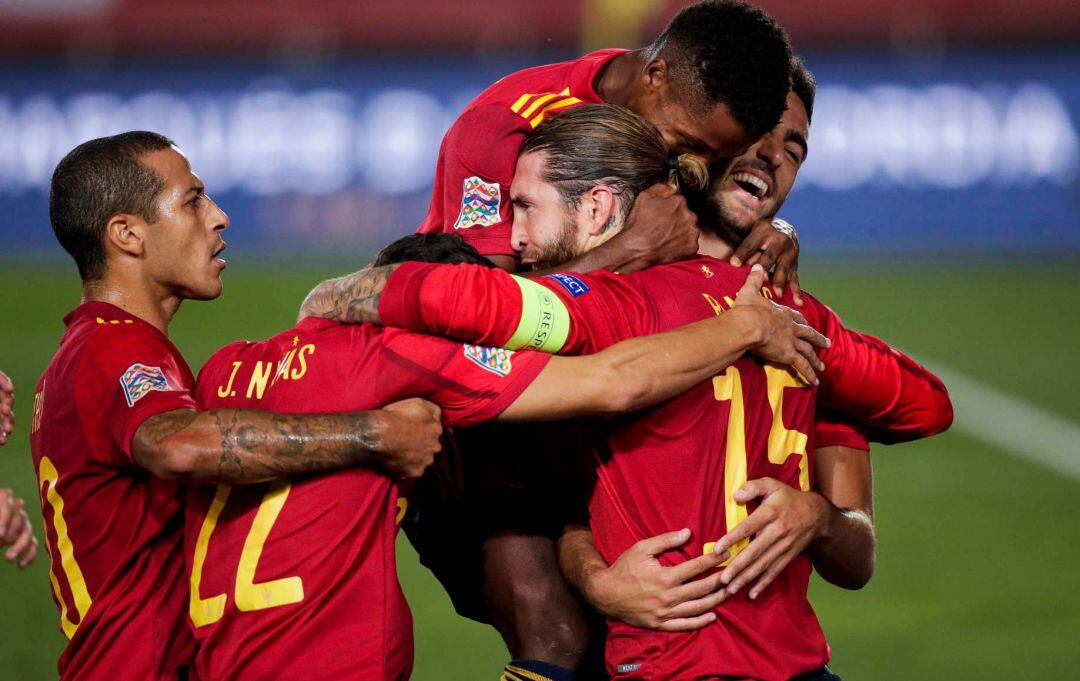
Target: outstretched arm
x: 876, y: 386
x: 351, y: 299
x: 640, y: 372
x: 237, y: 446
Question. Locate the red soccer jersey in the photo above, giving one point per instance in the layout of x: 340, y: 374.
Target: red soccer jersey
x: 471, y: 196
x: 113, y: 531
x: 297, y: 578
x: 678, y: 464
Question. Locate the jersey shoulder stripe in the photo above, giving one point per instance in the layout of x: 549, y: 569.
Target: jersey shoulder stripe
x: 533, y: 107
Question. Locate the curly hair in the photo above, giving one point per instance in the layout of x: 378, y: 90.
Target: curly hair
x: 732, y: 53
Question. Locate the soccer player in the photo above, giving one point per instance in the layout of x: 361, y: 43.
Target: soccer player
x: 713, y: 82
x: 116, y: 429
x: 15, y: 528
x: 834, y: 521
x: 326, y: 602
x: 664, y: 469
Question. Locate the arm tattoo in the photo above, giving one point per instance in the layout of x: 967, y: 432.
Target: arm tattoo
x: 238, y: 446
x: 352, y: 299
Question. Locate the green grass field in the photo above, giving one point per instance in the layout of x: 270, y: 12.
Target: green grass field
x: 977, y: 575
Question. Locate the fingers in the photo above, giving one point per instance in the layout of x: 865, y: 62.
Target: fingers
x: 758, y: 487
x: 689, y: 624
x: 796, y: 291
x: 17, y: 522
x: 653, y: 546
x: 764, y: 539
x: 697, y: 607
x: 690, y: 569
x: 801, y: 365
x: 743, y: 530
x: 766, y: 257
x: 754, y: 282
x: 796, y: 316
x: 812, y: 337
x: 6, y: 386
x: 755, y: 568
x: 7, y: 509
x: 770, y: 575
x: 691, y: 591
x: 749, y: 248
x: 25, y: 547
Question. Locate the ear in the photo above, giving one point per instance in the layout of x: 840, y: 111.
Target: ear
x: 126, y: 233
x: 655, y: 75
x: 597, y: 206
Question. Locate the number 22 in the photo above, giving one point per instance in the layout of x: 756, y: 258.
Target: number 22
x: 248, y: 595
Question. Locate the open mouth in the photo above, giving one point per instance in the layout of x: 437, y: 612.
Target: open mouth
x: 217, y: 253
x: 751, y: 184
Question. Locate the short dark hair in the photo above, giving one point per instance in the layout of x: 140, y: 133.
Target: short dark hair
x: 728, y: 52
x: 448, y: 249
x: 803, y: 85
x: 95, y: 181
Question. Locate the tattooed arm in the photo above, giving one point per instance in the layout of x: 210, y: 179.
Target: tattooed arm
x: 352, y: 299
x: 237, y: 446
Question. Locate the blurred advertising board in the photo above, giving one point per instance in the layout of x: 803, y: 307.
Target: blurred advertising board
x: 977, y: 152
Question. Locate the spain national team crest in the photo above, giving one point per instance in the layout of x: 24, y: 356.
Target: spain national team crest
x: 479, y: 204
x: 139, y: 380
x: 495, y: 360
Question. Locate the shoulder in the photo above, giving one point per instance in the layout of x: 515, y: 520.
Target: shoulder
x: 119, y: 341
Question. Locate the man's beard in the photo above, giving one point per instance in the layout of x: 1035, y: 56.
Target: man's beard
x: 562, y: 249
x: 716, y: 217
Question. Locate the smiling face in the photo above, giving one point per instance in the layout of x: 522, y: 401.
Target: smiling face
x: 757, y: 182
x: 181, y: 247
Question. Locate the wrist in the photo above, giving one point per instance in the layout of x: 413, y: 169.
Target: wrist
x: 750, y: 324
x: 595, y: 586
x: 824, y: 529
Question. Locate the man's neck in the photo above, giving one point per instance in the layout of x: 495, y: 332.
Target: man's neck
x: 714, y: 245
x: 143, y: 299
x: 617, y: 82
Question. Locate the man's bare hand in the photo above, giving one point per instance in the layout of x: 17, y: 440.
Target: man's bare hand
x: 660, y: 229
x: 787, y: 338
x: 7, y: 407
x: 769, y: 246
x: 15, y: 530
x: 782, y: 527
x: 638, y: 590
x: 410, y: 436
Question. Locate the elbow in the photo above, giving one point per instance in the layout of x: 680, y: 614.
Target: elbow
x: 174, y: 461
x: 943, y: 412
x: 178, y: 462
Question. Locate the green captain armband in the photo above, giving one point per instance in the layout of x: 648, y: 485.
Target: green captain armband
x: 545, y: 321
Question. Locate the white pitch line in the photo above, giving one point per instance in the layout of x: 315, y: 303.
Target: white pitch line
x: 1019, y: 428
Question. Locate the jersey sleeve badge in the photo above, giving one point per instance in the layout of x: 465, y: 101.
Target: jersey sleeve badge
x: 139, y: 380
x: 480, y: 202
x: 495, y: 360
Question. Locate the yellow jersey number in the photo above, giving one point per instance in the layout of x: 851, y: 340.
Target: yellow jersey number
x: 782, y: 441
x: 247, y: 594
x: 69, y: 569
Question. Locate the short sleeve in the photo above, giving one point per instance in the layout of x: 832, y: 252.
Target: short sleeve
x: 127, y: 375
x: 471, y: 383
x: 477, y: 167
x: 831, y: 430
